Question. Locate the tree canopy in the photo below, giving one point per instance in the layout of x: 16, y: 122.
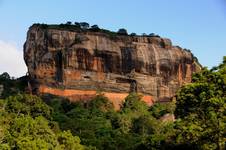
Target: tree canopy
x: 26, y: 124
x: 32, y: 122
x: 201, y: 110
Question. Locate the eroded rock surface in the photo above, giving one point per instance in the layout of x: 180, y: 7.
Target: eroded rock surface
x: 95, y: 61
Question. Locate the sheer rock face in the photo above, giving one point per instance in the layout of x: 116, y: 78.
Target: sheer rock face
x: 94, y: 61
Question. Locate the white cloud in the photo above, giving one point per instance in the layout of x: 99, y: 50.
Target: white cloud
x: 11, y: 60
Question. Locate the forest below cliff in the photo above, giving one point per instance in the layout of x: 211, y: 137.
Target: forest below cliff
x: 50, y: 122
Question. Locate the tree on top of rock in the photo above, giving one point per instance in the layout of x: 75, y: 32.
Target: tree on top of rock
x: 84, y: 25
x: 122, y: 31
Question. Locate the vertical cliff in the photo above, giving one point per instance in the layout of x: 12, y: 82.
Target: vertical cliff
x: 76, y: 63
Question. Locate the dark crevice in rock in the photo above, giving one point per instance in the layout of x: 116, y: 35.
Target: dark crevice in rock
x: 59, y: 66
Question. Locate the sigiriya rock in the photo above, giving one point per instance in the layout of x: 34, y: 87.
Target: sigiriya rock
x: 76, y: 63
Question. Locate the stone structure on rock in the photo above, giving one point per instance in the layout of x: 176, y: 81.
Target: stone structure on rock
x: 76, y: 63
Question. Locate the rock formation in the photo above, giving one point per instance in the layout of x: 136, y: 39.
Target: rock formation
x: 76, y: 63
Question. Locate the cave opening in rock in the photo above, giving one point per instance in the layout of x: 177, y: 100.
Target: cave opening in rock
x: 133, y: 86
x: 59, y: 66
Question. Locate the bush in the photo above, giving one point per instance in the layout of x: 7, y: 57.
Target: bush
x: 133, y: 34
x: 122, y: 31
x: 68, y: 23
x: 5, y: 76
x: 24, y: 104
x: 158, y: 110
x: 84, y: 25
x: 102, y: 103
x: 94, y: 28
x: 133, y: 103
x: 77, y: 24
x: 153, y: 35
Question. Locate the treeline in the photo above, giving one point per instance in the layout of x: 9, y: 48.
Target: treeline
x: 84, y: 26
x: 29, y: 122
x: 10, y: 86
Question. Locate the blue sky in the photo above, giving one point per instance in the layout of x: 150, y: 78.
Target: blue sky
x: 199, y: 25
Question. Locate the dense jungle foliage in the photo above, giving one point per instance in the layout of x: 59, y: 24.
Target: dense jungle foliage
x: 30, y: 122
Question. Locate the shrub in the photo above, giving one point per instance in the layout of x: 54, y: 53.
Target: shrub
x: 122, y: 31
x: 95, y: 28
x: 84, y: 25
x: 68, y: 23
x: 133, y: 34
x: 24, y: 104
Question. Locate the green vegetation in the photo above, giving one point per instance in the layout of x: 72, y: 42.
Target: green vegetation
x: 29, y: 122
x: 85, y: 27
x: 99, y: 125
x: 26, y: 124
x: 12, y: 86
x: 201, y: 110
x: 122, y: 31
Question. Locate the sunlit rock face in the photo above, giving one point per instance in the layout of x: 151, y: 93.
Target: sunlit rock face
x: 85, y: 61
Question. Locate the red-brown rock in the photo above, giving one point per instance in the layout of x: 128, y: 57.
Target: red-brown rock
x: 65, y: 62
